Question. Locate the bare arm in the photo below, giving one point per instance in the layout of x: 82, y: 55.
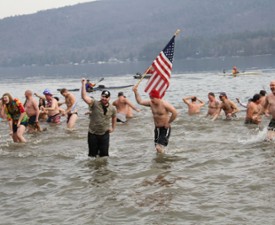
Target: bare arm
x: 185, y: 100
x: 249, y: 112
x: 241, y: 103
x: 72, y: 103
x: 264, y: 108
x: 37, y: 111
x: 132, y: 105
x: 39, y: 96
x: 54, y: 106
x: 84, y: 95
x: 139, y: 99
x: 201, y: 102
x: 173, y: 112
x: 234, y: 107
x: 20, y: 118
x: 217, y: 114
x: 113, y: 124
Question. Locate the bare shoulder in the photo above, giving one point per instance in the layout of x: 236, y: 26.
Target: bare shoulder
x: 168, y: 105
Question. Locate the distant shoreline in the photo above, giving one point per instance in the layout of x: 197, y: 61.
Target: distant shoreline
x: 123, y: 68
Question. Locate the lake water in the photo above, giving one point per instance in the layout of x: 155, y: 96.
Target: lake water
x: 218, y: 172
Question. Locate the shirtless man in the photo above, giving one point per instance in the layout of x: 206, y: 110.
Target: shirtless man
x: 124, y: 108
x: 229, y: 107
x: 253, y: 110
x: 71, y: 110
x: 193, y: 106
x: 213, y: 105
x: 52, y: 108
x: 32, y: 110
x: 163, y: 114
x: 262, y: 100
x: 270, y: 105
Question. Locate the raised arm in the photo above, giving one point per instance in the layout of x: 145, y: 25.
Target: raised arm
x: 84, y: 95
x: 241, y: 103
x: 139, y: 99
x: 185, y: 100
x: 39, y: 96
x: 201, y: 102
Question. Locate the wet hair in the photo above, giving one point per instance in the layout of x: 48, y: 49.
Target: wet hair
x: 63, y: 90
x: 42, y: 102
x: 9, y: 96
x: 120, y: 94
x: 212, y: 94
x: 194, y: 99
x: 262, y: 92
x: 256, y: 97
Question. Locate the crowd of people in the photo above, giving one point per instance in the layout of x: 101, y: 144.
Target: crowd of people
x: 260, y: 104
x: 103, y: 115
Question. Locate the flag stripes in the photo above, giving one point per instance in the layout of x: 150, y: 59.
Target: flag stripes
x: 161, y: 69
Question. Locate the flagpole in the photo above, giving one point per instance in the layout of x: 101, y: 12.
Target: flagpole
x: 144, y: 74
x: 177, y: 32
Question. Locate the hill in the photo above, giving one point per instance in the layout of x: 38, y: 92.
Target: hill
x: 137, y: 30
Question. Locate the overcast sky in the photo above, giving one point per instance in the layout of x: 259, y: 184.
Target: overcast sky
x: 21, y: 7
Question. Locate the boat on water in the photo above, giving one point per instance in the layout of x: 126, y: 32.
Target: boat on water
x: 100, y: 88
x: 244, y: 73
x: 139, y: 75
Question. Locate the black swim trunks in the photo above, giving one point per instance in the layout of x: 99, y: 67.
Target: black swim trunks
x: 32, y: 120
x: 14, y: 126
x: 69, y: 116
x: 162, y: 135
x: 271, y: 125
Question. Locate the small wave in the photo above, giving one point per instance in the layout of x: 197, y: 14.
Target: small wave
x: 255, y: 137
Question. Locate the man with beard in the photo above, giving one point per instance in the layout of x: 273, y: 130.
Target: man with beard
x: 229, y: 107
x: 101, y: 112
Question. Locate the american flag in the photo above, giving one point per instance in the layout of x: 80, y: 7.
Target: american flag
x: 161, y: 69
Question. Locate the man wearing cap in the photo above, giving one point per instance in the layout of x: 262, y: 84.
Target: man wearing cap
x: 52, y: 108
x: 229, y: 107
x: 101, y: 113
x: 124, y: 108
x: 163, y: 114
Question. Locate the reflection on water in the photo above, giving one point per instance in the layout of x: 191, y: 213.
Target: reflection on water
x: 218, y: 172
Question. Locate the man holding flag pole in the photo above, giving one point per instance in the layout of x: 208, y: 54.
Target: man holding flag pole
x: 163, y: 112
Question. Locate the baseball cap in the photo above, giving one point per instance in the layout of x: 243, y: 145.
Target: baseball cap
x: 106, y: 94
x: 47, y: 92
x: 223, y: 94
